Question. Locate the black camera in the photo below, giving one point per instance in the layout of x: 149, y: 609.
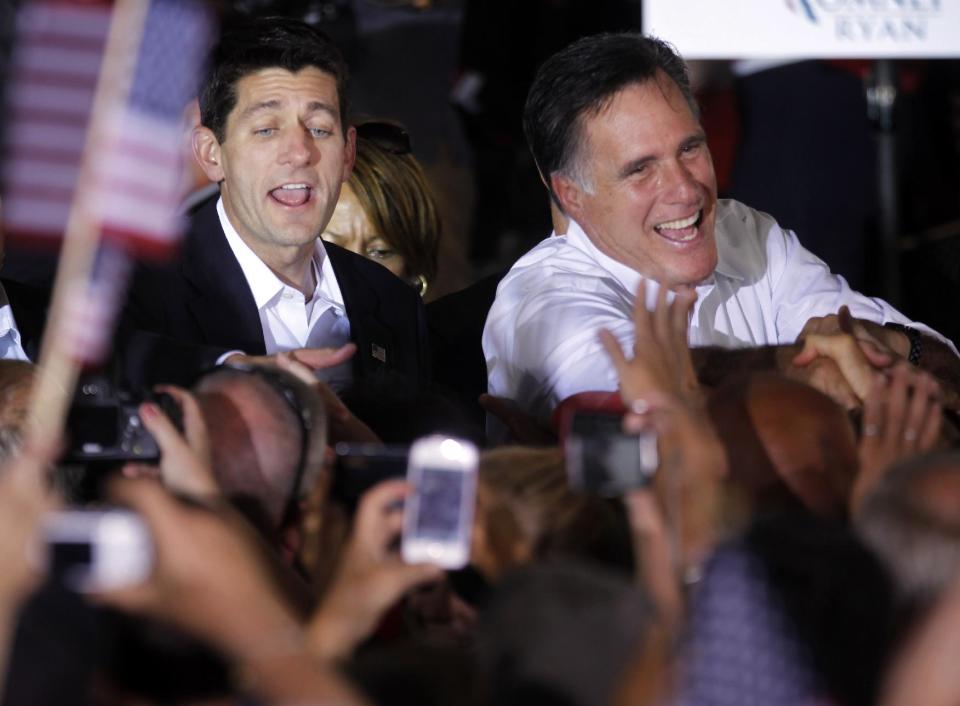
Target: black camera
x: 104, y: 426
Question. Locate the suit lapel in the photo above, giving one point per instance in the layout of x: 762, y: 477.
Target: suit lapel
x: 223, y: 307
x: 376, y: 346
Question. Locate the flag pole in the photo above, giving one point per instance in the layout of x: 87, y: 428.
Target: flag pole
x: 58, y: 368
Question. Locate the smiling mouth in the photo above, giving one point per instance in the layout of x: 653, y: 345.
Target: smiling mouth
x: 681, y: 230
x: 292, y: 195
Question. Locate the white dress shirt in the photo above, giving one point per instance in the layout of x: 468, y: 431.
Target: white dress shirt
x: 11, y: 347
x: 288, y: 319
x: 540, y: 339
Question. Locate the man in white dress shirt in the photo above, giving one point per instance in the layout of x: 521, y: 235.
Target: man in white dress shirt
x: 614, y: 129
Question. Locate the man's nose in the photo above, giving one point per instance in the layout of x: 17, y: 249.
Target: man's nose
x: 298, y: 147
x: 679, y: 183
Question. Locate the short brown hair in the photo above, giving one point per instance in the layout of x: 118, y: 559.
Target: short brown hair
x: 394, y: 194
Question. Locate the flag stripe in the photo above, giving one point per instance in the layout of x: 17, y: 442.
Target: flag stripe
x: 54, y: 70
x: 136, y: 168
x: 139, y: 172
x: 50, y: 119
x: 57, y: 175
x: 44, y: 137
x: 67, y: 76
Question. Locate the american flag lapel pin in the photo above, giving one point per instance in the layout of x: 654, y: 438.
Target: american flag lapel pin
x: 378, y: 352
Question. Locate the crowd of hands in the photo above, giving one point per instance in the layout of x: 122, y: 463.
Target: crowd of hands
x: 216, y: 579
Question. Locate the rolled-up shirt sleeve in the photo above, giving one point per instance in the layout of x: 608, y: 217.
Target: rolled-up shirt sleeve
x: 542, y: 349
x: 803, y: 287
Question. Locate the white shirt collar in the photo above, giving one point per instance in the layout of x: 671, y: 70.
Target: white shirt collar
x: 627, y: 276
x: 264, y: 283
x: 729, y: 263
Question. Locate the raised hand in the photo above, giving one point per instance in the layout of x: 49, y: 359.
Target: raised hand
x: 185, y: 465
x: 342, y: 424
x: 209, y: 579
x: 371, y: 577
x: 674, y: 522
x: 661, y: 369
x: 902, y: 417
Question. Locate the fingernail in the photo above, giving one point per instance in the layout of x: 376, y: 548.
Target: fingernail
x: 149, y: 409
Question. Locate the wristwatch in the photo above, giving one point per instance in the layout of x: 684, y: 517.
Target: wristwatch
x: 916, y: 341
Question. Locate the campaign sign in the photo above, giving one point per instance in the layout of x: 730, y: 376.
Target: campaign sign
x: 744, y: 29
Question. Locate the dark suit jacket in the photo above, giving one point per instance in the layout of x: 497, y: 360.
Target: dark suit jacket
x: 180, y: 317
x: 455, y: 325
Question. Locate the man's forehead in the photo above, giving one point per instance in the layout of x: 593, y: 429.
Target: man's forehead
x: 659, y: 89
x: 276, y: 86
x: 638, y: 109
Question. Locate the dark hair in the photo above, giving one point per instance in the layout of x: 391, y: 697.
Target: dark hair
x: 580, y: 81
x: 249, y: 45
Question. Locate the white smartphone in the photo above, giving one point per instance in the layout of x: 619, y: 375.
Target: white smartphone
x: 96, y: 550
x: 438, y: 514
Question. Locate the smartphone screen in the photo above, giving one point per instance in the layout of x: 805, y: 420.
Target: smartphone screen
x: 602, y: 459
x: 438, y: 515
x: 441, y: 497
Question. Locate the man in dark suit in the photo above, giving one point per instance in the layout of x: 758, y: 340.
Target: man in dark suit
x: 253, y: 279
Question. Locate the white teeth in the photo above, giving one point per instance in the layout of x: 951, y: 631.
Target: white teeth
x: 291, y: 187
x: 681, y: 224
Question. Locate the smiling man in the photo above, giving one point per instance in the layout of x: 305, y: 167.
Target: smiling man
x: 254, y: 279
x: 614, y: 130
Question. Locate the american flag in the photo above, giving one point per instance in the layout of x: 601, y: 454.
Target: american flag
x: 92, y: 305
x: 137, y: 168
x: 53, y: 76
x: 133, y: 192
x: 138, y: 178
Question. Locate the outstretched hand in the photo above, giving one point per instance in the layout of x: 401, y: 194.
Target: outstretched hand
x: 902, y: 417
x: 342, y: 425
x: 313, y: 358
x: 674, y: 523
x: 661, y: 371
x: 839, y: 356
x: 208, y: 578
x: 371, y: 577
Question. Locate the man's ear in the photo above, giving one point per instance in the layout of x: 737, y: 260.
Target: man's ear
x: 568, y: 193
x: 207, y: 152
x: 349, y: 152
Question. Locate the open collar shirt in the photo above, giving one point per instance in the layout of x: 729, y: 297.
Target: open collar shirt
x: 541, y: 337
x: 289, y: 319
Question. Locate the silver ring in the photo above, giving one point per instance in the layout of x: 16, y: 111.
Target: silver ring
x: 639, y: 406
x: 871, y: 430
x: 909, y: 435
